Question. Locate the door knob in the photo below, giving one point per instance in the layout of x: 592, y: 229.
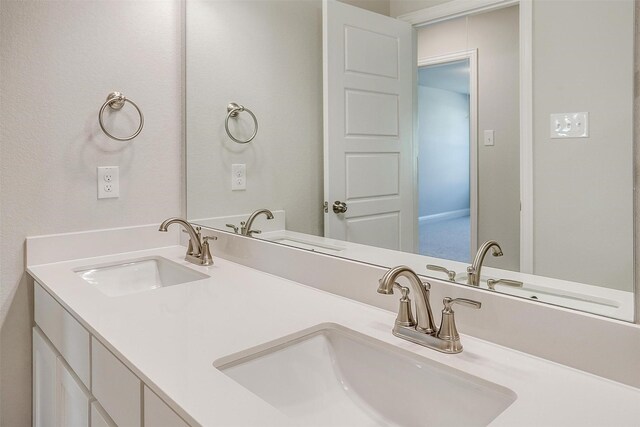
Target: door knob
x: 339, y: 207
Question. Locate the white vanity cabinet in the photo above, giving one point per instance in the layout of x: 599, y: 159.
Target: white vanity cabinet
x: 44, y: 381
x: 99, y: 417
x: 78, y: 382
x: 59, y: 397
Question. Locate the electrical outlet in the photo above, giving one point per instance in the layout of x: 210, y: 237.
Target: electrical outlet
x: 238, y: 176
x: 108, y: 182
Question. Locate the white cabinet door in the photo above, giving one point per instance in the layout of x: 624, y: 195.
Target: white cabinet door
x: 158, y: 414
x: 117, y: 389
x: 59, y: 398
x: 99, y: 417
x: 44, y: 381
x: 72, y: 399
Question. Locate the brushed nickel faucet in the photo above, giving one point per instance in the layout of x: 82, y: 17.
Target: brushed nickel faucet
x: 473, y: 271
x: 245, y: 227
x: 423, y: 331
x: 424, y: 314
x: 198, y: 252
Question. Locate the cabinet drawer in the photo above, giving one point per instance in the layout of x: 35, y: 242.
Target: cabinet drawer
x: 159, y: 414
x: 68, y: 336
x: 117, y: 389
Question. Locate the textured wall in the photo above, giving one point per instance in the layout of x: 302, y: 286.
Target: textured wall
x: 401, y: 7
x: 495, y: 35
x: 443, y: 159
x: 273, y: 67
x: 583, y: 188
x: 636, y: 161
x: 59, y: 61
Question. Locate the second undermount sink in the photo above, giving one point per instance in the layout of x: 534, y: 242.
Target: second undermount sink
x: 331, y: 375
x: 127, y: 277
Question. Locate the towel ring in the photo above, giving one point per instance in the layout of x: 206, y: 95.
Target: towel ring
x: 233, y: 111
x: 116, y: 100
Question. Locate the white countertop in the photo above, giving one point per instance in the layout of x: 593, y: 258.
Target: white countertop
x: 170, y: 337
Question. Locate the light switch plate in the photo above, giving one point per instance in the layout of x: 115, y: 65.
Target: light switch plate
x: 489, y: 138
x: 569, y: 125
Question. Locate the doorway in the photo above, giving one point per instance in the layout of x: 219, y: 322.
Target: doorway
x: 446, y: 161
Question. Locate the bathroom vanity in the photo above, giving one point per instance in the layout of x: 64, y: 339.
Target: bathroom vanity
x: 141, y: 337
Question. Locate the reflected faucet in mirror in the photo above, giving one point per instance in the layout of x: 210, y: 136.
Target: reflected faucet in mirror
x: 450, y: 273
x: 423, y: 331
x: 473, y: 271
x: 491, y: 283
x: 245, y: 226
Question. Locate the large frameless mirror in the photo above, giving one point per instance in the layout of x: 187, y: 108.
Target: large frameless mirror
x: 417, y: 140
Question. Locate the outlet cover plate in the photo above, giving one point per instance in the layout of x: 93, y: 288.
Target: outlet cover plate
x: 108, y: 182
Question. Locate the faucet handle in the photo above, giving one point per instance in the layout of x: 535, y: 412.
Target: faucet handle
x: 206, y: 258
x: 491, y: 283
x: 234, y: 227
x: 191, y: 249
x: 448, y: 330
x: 405, y: 316
x: 450, y: 273
x: 448, y: 302
x: 250, y: 232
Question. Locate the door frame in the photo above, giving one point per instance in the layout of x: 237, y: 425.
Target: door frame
x: 472, y: 56
x: 457, y: 8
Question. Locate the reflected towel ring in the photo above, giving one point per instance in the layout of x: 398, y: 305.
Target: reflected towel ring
x: 116, y: 100
x: 233, y: 111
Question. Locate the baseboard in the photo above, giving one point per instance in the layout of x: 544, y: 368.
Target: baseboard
x: 444, y: 215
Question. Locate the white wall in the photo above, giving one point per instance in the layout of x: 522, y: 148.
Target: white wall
x: 378, y: 6
x: 443, y: 160
x: 400, y: 7
x: 268, y: 57
x: 583, y: 188
x: 59, y: 60
x: 495, y: 35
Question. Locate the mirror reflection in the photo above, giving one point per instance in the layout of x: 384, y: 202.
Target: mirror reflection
x: 497, y: 153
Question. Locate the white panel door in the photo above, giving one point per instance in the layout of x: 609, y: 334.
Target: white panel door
x: 368, y: 127
x: 44, y: 382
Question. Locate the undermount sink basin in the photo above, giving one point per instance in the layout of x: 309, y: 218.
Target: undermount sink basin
x: 138, y: 275
x: 331, y: 375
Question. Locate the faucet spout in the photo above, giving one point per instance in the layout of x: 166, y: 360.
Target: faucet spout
x: 195, y: 241
x: 246, y: 230
x: 424, y: 315
x: 473, y: 272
